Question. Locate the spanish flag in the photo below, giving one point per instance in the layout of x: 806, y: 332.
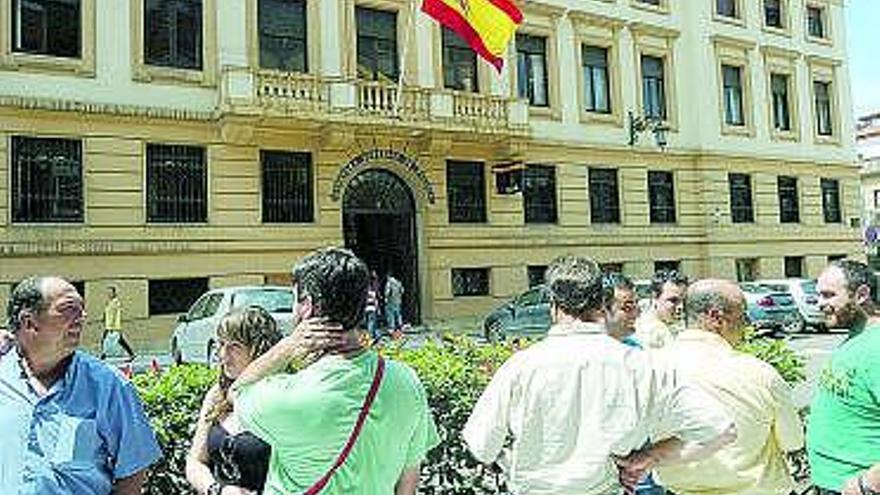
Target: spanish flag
x: 486, y: 25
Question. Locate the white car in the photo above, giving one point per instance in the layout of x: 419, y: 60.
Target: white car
x: 194, y: 340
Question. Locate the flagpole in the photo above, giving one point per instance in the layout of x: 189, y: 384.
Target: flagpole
x: 403, y: 54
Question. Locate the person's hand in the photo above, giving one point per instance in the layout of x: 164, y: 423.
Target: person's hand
x: 6, y: 342
x: 315, y: 337
x: 632, y: 468
x: 851, y: 487
x: 236, y: 490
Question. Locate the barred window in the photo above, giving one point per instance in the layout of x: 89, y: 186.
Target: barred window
x: 539, y: 194
x: 177, y: 184
x: 47, y: 27
x: 173, y: 33
x: 283, y: 29
x: 831, y: 201
x: 470, y: 282
x: 169, y: 296
x: 741, y: 209
x: 376, y: 44
x: 536, y: 274
x: 287, y: 187
x: 747, y: 269
x: 459, y: 63
x: 47, y: 181
x: 661, y: 195
x: 604, y: 196
x: 466, y: 192
x: 789, y: 204
x: 611, y: 267
x: 667, y: 266
x: 794, y: 266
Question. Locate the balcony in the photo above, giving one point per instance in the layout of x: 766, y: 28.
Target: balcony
x: 246, y: 91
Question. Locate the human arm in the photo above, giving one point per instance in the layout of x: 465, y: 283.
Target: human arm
x: 866, y: 483
x: 408, y: 482
x: 130, y: 485
x: 197, y: 471
x: 487, y: 427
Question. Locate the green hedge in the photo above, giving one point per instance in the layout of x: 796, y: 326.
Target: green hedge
x: 454, y: 372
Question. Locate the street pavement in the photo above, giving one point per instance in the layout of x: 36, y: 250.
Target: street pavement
x: 815, y: 349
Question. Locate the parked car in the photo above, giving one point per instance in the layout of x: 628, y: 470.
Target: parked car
x: 807, y: 300
x: 771, y: 306
x: 195, y: 337
x: 526, y: 315
x: 644, y: 294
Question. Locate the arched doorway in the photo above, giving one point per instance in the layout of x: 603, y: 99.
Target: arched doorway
x: 379, y: 223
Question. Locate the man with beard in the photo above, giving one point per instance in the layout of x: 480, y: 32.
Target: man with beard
x: 843, y: 433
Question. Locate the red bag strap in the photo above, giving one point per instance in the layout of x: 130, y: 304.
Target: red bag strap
x: 349, y: 445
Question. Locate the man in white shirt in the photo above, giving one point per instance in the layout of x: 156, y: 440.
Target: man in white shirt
x: 577, y: 399
x: 658, y: 326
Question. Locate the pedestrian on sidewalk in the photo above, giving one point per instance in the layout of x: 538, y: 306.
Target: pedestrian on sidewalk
x: 113, y: 335
x: 570, y: 413
x: 372, y: 308
x: 72, y: 425
x: 843, y: 431
x: 393, y: 301
x: 751, y: 391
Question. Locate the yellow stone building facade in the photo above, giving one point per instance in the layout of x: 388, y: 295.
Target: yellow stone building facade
x: 166, y: 147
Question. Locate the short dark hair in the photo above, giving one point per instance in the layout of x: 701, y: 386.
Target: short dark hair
x: 662, y: 277
x: 337, y: 283
x: 857, y: 274
x: 575, y: 285
x: 26, y: 296
x: 617, y: 280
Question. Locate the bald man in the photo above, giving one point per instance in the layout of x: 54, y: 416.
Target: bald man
x: 752, y: 392
x: 71, y: 424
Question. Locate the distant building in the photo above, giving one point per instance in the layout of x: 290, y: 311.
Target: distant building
x: 169, y: 147
x: 868, y: 146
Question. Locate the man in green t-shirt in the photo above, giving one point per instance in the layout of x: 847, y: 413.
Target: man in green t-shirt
x: 307, y: 417
x: 843, y: 432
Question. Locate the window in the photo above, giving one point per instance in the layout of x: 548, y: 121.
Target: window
x: 667, y: 266
x: 47, y: 181
x: 733, y: 95
x: 470, y: 282
x: 653, y: 87
x: 877, y: 198
x: 531, y: 66
x: 822, y: 92
x: 596, y: 85
x: 831, y: 200
x: 773, y: 13
x: 604, y: 196
x: 539, y: 194
x: 661, y: 196
x: 650, y: 2
x: 536, y: 275
x: 789, y: 205
x: 726, y: 8
x: 283, y: 35
x: 175, y: 295
x: 376, y: 44
x: 747, y: 269
x: 781, y: 114
x: 459, y: 63
x: 815, y: 21
x: 177, y: 184
x: 836, y: 257
x: 613, y: 267
x: 794, y: 266
x: 173, y: 33
x: 741, y: 210
x: 47, y: 27
x: 287, y: 187
x: 466, y: 192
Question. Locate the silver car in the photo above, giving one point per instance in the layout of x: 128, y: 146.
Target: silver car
x: 194, y: 340
x: 806, y: 298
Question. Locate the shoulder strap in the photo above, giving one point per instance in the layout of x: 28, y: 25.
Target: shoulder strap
x: 355, y: 433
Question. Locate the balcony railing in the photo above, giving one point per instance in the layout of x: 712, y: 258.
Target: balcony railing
x: 375, y: 98
x: 479, y: 108
x: 286, y: 89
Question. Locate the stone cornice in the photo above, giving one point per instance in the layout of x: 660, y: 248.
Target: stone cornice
x: 114, y: 109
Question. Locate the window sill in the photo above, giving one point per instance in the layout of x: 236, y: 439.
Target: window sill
x: 732, y: 21
x: 549, y: 113
x: 663, y: 8
x: 47, y: 225
x: 612, y: 118
x: 183, y: 77
x: 48, y: 64
x: 777, y: 31
x: 819, y: 41
x: 172, y: 225
x: 832, y: 140
x: 789, y: 136
x: 737, y: 130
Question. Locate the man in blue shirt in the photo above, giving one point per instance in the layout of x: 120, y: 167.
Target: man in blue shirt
x: 70, y: 424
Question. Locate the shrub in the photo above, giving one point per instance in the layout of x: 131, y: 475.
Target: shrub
x: 778, y: 354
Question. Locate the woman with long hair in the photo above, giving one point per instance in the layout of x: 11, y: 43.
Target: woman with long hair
x: 224, y: 459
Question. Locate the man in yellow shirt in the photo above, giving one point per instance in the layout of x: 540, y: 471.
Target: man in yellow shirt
x: 751, y: 391
x: 113, y: 325
x: 658, y: 326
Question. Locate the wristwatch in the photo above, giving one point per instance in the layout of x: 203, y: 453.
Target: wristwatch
x: 215, y: 488
x: 864, y: 488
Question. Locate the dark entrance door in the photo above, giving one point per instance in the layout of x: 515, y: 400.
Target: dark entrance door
x: 379, y: 225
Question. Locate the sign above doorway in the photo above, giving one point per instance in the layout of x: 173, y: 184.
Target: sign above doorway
x: 370, y: 157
